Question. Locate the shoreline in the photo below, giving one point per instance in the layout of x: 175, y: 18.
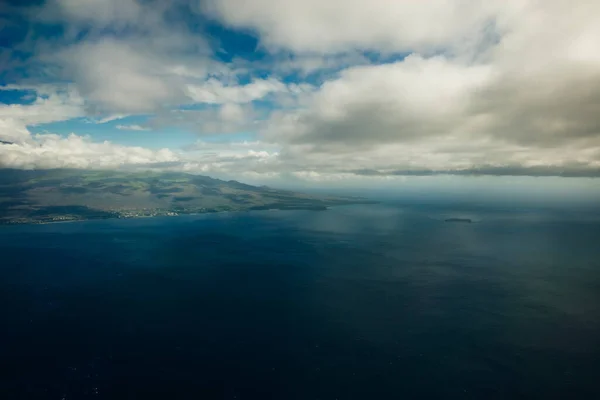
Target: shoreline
x: 178, y: 214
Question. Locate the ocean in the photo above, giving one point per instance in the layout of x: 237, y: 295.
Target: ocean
x: 357, y: 302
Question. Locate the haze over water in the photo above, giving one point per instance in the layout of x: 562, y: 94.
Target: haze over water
x: 357, y: 302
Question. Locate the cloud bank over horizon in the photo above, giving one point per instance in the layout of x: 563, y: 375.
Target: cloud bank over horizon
x: 318, y: 91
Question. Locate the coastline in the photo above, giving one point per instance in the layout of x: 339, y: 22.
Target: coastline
x: 116, y: 215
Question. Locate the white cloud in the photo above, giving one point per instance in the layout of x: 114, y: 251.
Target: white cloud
x: 115, y: 76
x: 51, y: 107
x: 21, y: 149
x: 53, y: 151
x: 233, y: 159
x: 125, y: 57
x: 12, y: 130
x: 132, y: 128
x: 229, y: 149
x: 527, y: 104
x: 338, y: 25
x: 108, y: 118
x: 311, y: 63
x: 215, y: 92
x: 222, y: 118
x: 386, y: 103
x: 97, y: 12
x: 499, y: 87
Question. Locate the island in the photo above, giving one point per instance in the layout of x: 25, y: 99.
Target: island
x: 59, y: 195
x: 463, y: 220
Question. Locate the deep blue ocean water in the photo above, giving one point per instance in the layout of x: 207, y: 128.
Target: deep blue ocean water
x: 358, y: 302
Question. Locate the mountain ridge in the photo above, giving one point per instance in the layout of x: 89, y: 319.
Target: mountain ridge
x: 53, y: 195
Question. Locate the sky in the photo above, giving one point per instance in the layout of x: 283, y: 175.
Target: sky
x: 336, y: 92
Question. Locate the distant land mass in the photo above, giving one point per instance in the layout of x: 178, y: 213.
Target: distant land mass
x: 42, y: 196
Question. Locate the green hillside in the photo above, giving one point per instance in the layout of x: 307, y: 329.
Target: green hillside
x: 65, y: 195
